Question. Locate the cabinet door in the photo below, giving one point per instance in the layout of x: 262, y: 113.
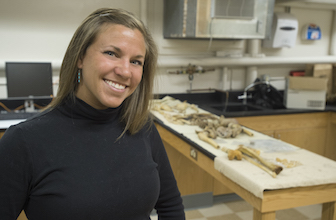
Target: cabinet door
x: 191, y: 179
x: 312, y: 139
x: 331, y: 141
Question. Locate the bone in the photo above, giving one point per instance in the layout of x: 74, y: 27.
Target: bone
x: 273, y: 167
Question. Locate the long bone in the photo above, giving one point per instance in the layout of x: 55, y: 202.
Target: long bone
x: 235, y: 154
x: 273, y: 167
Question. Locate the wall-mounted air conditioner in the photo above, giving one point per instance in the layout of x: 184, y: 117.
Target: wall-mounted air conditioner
x: 218, y: 19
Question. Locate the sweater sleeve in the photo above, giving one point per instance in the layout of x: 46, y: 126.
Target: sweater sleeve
x: 169, y: 205
x: 15, y: 172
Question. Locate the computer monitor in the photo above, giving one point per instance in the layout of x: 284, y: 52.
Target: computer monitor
x: 28, y: 80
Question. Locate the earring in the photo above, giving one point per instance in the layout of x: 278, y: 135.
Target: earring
x: 78, y: 75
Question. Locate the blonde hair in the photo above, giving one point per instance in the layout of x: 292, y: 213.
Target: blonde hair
x: 135, y: 109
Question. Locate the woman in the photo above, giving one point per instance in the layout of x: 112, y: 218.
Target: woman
x: 94, y: 153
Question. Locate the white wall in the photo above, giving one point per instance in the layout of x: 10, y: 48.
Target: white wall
x: 199, y: 48
x: 39, y: 30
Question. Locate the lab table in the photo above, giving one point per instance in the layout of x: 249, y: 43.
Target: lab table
x: 265, y: 202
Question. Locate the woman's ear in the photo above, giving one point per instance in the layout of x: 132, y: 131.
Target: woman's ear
x: 80, y: 63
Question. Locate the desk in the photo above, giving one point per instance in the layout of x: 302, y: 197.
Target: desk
x: 4, y: 124
x: 273, y: 200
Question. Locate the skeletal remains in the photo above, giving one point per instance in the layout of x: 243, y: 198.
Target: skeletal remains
x: 243, y: 152
x: 212, y: 127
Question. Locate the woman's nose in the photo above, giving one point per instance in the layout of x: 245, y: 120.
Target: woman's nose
x: 123, y: 69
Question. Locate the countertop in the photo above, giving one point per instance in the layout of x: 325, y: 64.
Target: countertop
x: 207, y: 100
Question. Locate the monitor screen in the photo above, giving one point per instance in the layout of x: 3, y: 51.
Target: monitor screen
x: 29, y: 79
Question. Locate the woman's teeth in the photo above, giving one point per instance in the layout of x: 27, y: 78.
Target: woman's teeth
x: 115, y: 85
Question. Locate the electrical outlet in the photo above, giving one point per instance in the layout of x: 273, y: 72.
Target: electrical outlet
x: 193, y: 153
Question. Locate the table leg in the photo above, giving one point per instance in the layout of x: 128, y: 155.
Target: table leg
x: 329, y: 211
x: 257, y: 215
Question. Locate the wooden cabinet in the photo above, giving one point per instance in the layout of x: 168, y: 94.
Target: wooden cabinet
x: 190, y: 176
x: 309, y: 130
x: 331, y: 138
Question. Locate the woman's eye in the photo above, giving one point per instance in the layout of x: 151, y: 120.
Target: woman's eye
x: 110, y: 53
x: 137, y: 62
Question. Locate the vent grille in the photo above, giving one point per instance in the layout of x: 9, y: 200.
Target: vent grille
x: 315, y: 103
x: 233, y: 9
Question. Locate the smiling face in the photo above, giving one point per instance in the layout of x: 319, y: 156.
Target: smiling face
x: 112, y: 66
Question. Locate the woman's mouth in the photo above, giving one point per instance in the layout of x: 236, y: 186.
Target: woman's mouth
x: 115, y: 85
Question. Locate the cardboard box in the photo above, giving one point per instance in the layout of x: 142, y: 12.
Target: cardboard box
x: 305, y: 93
x: 307, y: 83
x: 322, y: 71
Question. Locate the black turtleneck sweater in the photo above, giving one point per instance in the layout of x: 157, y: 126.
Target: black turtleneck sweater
x: 66, y: 164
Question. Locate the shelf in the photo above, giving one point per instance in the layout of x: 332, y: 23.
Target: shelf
x: 245, y: 61
x: 320, y: 4
x: 178, y: 61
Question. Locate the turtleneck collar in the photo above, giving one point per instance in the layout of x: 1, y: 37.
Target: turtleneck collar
x: 78, y: 109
